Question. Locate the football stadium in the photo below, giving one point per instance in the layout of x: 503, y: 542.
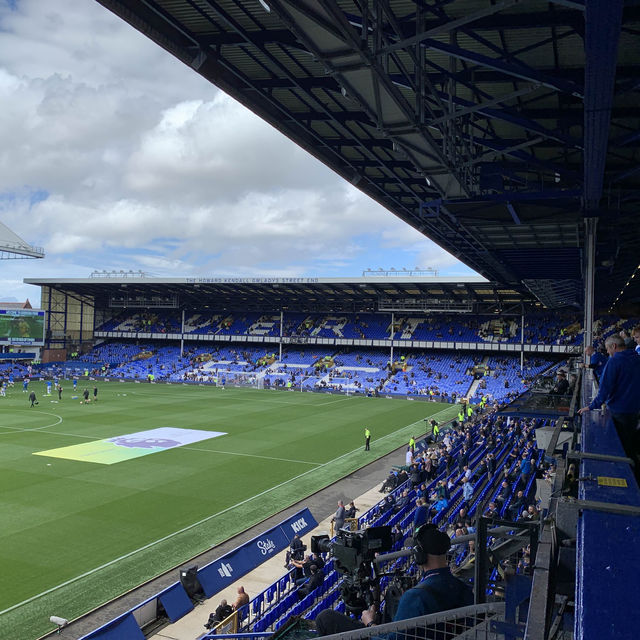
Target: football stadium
x: 357, y: 457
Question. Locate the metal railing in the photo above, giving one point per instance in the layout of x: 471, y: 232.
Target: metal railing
x: 476, y: 622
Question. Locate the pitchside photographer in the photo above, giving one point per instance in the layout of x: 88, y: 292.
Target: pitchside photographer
x: 437, y: 591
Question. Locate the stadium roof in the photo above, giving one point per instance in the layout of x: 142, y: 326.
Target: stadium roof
x: 494, y: 128
x: 13, y: 246
x: 404, y: 294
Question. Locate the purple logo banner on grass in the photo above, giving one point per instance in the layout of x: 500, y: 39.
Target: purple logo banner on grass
x: 220, y: 573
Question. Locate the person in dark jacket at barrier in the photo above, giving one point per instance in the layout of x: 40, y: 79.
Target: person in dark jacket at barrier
x: 222, y: 612
x: 437, y: 591
x: 595, y: 360
x: 315, y: 580
x: 619, y: 390
x: 296, y: 550
x: 390, y: 483
x: 350, y: 511
x: 562, y: 385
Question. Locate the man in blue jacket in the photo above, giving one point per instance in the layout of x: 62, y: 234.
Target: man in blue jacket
x: 620, y: 391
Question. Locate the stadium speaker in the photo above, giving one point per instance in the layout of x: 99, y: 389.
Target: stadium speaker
x: 190, y: 582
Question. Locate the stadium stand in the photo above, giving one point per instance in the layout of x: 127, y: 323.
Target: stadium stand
x: 547, y: 329
x: 274, y: 606
x: 437, y: 376
x: 485, y: 462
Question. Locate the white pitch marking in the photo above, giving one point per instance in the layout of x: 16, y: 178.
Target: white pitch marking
x: 22, y: 429
x: 195, y: 524
x: 252, y: 455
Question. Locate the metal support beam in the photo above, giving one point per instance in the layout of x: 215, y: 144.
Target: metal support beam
x: 589, y: 277
x: 512, y: 69
x: 512, y: 211
x: 608, y: 507
x: 603, y: 21
x: 601, y: 457
x: 450, y: 26
x: 485, y: 105
x: 482, y: 561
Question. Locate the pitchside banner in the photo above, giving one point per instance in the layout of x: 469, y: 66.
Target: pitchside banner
x: 220, y: 573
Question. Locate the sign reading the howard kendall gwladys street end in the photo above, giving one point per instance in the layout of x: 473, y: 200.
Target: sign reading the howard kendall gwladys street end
x: 220, y: 573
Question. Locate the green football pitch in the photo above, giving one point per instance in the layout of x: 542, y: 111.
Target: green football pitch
x: 80, y: 527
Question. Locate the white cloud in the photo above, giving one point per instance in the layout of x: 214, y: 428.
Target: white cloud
x: 147, y: 165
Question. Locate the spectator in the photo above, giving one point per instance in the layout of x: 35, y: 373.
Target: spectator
x: 390, y: 483
x: 421, y: 514
x: 595, y: 360
x: 338, y: 518
x: 491, y: 465
x: 525, y: 469
x: 408, y: 457
x: 628, y: 340
x: 315, y: 580
x: 396, y: 534
x: 350, y: 511
x: 503, y: 494
x: 518, y: 504
x: 241, y: 602
x: 388, y: 503
x: 532, y: 512
x: 619, y: 390
x: 402, y: 501
x: 296, y: 550
x: 463, y: 522
x: 222, y: 612
x: 303, y: 569
x: 467, y: 491
x: 492, y: 511
x: 562, y: 385
x: 635, y: 332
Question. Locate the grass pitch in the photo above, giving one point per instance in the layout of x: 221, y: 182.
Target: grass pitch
x: 76, y: 534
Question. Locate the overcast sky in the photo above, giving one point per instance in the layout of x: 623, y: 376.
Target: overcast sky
x: 115, y: 155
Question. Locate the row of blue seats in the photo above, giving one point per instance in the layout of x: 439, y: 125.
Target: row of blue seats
x: 543, y: 328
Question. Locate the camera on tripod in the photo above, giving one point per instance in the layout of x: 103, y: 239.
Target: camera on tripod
x: 352, y: 549
x: 353, y: 553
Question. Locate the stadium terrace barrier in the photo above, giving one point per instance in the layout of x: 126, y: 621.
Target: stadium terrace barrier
x: 348, y: 342
x: 219, y: 574
x: 213, y: 577
x: 18, y: 355
x: 607, y: 534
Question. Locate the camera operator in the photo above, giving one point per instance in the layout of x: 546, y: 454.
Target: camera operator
x: 437, y: 591
x: 296, y: 551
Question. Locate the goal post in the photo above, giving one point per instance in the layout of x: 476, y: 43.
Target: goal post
x: 239, y: 379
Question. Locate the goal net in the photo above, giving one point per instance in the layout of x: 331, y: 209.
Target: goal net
x: 222, y: 378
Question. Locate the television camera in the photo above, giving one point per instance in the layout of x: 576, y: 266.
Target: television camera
x: 354, y: 553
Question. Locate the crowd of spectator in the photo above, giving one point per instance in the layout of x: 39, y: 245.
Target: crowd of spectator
x: 485, y: 465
